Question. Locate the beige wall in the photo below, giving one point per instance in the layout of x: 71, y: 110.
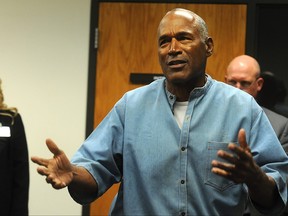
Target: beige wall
x: 44, y: 68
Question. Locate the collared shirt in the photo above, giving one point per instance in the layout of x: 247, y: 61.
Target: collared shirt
x: 165, y: 170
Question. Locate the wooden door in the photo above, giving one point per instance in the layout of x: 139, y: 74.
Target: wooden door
x: 128, y: 43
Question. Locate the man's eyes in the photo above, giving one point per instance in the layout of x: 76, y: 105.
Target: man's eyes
x: 178, y: 38
x: 242, y: 83
x: 232, y: 82
x: 182, y: 38
x: 245, y: 84
x: 164, y: 41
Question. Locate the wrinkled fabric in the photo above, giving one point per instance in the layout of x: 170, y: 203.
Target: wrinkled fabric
x: 165, y: 170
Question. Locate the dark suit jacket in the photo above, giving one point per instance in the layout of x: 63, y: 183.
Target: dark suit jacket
x: 280, y: 126
x: 14, y: 167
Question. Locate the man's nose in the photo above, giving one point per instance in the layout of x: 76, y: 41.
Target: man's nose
x: 174, y: 47
x: 239, y: 85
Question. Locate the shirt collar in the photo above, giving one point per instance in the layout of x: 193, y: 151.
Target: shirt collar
x: 197, y: 92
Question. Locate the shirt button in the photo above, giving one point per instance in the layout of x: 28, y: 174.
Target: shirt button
x: 182, y: 182
x: 171, y: 97
x: 183, y: 149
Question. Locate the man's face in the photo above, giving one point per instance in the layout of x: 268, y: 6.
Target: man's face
x: 182, y: 54
x: 244, y: 79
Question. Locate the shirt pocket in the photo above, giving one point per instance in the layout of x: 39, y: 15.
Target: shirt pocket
x: 218, y: 182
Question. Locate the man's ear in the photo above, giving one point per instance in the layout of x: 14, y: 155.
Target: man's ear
x: 209, y: 46
x: 260, y: 82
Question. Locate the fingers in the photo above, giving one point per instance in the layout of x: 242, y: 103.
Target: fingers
x: 53, y: 147
x: 242, y: 138
x: 232, y: 158
x: 230, y: 175
x: 55, y: 182
x: 240, y: 152
x: 43, y: 171
x: 228, y: 171
x: 222, y: 168
x: 225, y: 168
x: 238, y: 160
x: 40, y: 161
x: 220, y: 172
x: 51, y: 178
x: 243, y: 151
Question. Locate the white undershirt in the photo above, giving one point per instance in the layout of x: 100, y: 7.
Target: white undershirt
x: 180, y: 111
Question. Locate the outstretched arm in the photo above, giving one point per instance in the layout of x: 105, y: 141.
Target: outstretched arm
x: 60, y: 173
x: 241, y: 168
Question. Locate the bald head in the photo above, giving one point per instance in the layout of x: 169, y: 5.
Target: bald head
x: 244, y: 64
x: 243, y: 72
x: 195, y: 19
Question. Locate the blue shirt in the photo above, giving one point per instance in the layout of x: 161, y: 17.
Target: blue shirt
x: 165, y: 170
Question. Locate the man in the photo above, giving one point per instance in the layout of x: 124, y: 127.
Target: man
x: 185, y: 167
x: 243, y: 72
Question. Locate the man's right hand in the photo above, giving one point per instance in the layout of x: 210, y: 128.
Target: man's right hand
x: 58, y: 170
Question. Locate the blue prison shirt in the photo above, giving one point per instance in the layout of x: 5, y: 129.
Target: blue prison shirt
x: 165, y: 170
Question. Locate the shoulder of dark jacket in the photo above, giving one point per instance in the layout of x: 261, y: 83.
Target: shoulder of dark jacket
x: 7, y: 117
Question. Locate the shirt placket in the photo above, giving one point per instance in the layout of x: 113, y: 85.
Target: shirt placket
x: 184, y: 160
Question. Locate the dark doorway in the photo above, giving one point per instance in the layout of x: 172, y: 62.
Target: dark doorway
x: 271, y: 45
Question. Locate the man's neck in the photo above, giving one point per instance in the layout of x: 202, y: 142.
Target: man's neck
x: 182, y: 90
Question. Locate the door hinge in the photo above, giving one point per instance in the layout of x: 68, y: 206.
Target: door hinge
x: 96, y: 38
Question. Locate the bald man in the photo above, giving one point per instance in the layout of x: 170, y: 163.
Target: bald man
x: 243, y: 72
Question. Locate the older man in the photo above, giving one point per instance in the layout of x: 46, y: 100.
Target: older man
x: 183, y: 145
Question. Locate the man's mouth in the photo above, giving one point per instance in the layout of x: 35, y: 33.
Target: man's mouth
x: 177, y: 63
